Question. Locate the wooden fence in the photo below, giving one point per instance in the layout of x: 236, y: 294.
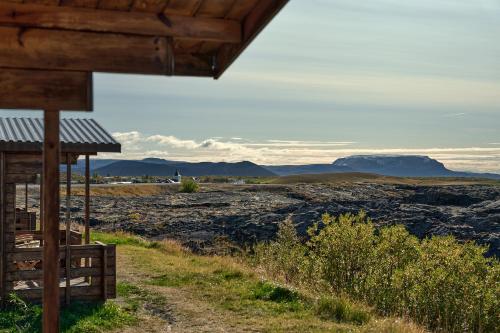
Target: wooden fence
x: 91, y: 268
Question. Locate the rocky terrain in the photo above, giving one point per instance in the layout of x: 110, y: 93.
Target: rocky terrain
x: 244, y: 214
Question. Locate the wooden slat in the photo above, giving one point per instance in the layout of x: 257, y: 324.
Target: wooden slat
x: 19, y: 178
x: 26, y: 275
x: 39, y: 89
x: 84, y: 51
x: 23, y: 157
x: 136, y: 22
x: 28, y: 167
x: 255, y: 21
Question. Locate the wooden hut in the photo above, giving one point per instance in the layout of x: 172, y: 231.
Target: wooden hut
x: 50, y: 48
x: 88, y: 271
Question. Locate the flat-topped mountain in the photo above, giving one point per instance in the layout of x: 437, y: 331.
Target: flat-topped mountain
x: 387, y: 165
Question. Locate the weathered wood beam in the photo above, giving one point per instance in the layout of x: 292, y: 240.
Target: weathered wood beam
x: 2, y: 229
x: 84, y: 51
x: 256, y: 20
x: 51, y: 263
x: 94, y: 52
x: 39, y: 89
x: 135, y: 22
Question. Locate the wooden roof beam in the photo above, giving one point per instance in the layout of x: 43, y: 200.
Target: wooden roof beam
x: 50, y: 49
x: 255, y: 21
x: 137, y: 23
x: 38, y: 89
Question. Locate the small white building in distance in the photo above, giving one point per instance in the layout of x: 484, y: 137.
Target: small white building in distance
x: 177, y: 176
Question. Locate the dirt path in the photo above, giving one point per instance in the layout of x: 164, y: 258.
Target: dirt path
x: 184, y: 313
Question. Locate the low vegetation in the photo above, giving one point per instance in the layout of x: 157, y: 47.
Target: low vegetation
x: 437, y: 282
x: 346, y: 278
x: 20, y: 317
x: 189, y: 185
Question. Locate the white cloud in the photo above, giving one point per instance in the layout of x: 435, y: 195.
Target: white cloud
x: 137, y: 146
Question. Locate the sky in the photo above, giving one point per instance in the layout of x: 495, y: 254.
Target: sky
x: 327, y: 79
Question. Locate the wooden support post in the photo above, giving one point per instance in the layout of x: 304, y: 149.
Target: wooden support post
x: 51, y: 262
x: 2, y: 229
x: 87, y: 208
x: 68, y: 229
x: 26, y: 197
x: 87, y: 199
x: 41, y: 207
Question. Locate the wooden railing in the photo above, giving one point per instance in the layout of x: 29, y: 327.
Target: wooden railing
x: 37, y: 235
x: 92, y: 271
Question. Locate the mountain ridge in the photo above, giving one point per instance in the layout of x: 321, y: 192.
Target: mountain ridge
x: 387, y: 165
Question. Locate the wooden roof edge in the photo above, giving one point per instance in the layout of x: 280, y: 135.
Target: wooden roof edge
x: 254, y: 23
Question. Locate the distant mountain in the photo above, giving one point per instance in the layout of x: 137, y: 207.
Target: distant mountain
x: 398, y: 165
x: 159, y: 167
x: 403, y: 166
x: 94, y: 164
x: 288, y: 170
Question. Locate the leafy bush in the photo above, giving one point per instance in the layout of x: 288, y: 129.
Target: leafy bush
x: 189, y: 186
x: 284, y: 256
x: 438, y: 282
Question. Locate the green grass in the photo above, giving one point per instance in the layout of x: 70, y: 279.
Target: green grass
x: 121, y: 238
x: 158, y: 273
x: 21, y: 317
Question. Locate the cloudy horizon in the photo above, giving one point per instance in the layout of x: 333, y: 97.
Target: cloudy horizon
x: 137, y: 146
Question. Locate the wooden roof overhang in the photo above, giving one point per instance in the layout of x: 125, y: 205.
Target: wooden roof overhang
x: 47, y: 42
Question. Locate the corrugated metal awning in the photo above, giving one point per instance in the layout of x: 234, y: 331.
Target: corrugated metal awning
x: 77, y: 136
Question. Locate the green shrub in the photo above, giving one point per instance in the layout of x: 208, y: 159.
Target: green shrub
x: 438, y: 282
x: 189, y: 186
x: 285, y: 256
x: 340, y: 310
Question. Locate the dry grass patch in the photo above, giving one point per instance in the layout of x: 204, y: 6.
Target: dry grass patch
x: 133, y: 190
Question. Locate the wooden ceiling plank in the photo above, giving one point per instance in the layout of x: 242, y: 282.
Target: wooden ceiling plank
x: 80, y: 3
x: 85, y: 19
x: 214, y: 9
x: 240, y: 9
x: 182, y: 7
x: 40, y: 90
x: 150, y: 6
x: 255, y: 21
x: 121, y: 5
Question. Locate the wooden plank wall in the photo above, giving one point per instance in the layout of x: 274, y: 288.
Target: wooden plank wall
x: 17, y: 168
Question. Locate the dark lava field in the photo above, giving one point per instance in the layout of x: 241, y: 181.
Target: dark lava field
x: 245, y: 214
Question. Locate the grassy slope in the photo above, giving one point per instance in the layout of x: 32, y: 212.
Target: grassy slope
x: 163, y: 288
x: 194, y: 293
